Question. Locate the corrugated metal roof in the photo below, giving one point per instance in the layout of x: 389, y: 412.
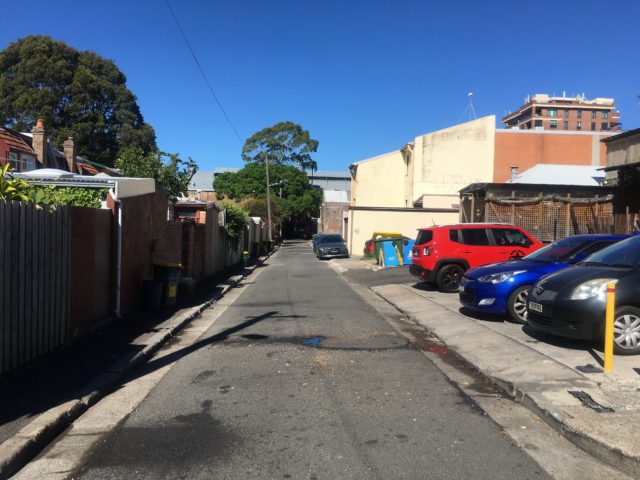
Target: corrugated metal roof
x: 549, y: 174
x: 321, y: 173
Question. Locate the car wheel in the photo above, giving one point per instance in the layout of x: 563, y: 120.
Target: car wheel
x: 626, y: 331
x: 517, y: 304
x: 449, y: 277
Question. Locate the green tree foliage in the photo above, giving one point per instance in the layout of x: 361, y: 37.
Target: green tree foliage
x: 13, y: 188
x: 167, y: 169
x: 299, y: 197
x: 78, y: 94
x: 73, y: 196
x: 236, y: 220
x: 257, y: 207
x: 17, y: 189
x: 285, y: 143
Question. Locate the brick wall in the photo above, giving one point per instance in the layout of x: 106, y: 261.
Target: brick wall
x: 144, y: 220
x: 91, y: 269
x: 526, y: 149
x: 332, y: 217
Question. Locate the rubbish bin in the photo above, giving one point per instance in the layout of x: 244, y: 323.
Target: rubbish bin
x: 377, y: 245
x: 169, y: 274
x: 389, y: 254
x: 407, y: 252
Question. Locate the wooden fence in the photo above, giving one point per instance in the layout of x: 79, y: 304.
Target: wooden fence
x: 34, y: 281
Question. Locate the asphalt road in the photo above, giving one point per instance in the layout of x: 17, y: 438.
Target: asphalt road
x: 301, y: 379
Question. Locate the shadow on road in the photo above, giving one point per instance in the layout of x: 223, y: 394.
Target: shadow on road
x: 55, y: 378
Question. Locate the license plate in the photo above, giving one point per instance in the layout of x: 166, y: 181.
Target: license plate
x: 461, y: 288
x: 536, y: 307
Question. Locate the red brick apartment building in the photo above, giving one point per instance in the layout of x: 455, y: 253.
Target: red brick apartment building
x: 544, y: 112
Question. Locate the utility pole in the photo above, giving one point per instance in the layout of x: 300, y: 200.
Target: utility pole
x: 266, y: 165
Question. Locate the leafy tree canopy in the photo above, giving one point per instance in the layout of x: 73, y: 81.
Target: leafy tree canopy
x: 167, y: 169
x: 285, y: 143
x: 237, y: 218
x: 257, y: 207
x: 299, y: 197
x: 78, y: 94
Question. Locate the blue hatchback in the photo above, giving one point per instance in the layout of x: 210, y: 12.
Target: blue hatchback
x: 503, y: 287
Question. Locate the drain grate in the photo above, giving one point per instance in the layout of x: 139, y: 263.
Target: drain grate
x: 587, y: 401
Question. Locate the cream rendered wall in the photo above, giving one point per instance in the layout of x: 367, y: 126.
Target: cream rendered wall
x: 448, y: 160
x: 379, y: 181
x: 407, y: 222
x: 440, y: 201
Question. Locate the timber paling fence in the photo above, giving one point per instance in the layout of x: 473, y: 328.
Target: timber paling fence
x: 34, y: 281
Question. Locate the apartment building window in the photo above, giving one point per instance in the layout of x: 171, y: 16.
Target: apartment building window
x: 605, y: 126
x: 579, y: 113
x: 538, y: 123
x: 593, y: 125
x: 566, y: 114
x: 552, y: 112
x: 566, y: 125
x: 579, y: 126
x: 554, y: 124
x: 594, y: 114
x: 605, y: 115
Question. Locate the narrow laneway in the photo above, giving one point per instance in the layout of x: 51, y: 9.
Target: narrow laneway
x: 301, y: 379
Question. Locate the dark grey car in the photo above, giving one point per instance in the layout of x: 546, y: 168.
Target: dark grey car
x: 331, y: 246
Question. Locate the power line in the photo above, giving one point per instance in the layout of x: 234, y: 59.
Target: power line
x: 195, y: 58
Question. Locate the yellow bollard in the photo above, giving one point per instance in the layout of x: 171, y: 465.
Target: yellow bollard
x: 608, y: 327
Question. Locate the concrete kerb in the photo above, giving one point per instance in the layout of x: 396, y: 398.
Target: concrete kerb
x: 35, y: 436
x: 627, y: 462
x: 610, y: 454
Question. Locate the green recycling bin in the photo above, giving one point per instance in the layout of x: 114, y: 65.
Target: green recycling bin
x: 169, y: 274
x: 377, y: 246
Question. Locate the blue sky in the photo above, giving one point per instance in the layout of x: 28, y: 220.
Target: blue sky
x: 364, y: 76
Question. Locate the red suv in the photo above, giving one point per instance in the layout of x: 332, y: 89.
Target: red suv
x: 443, y: 253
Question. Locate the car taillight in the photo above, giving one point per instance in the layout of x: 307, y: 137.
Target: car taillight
x: 426, y: 251
x: 416, y: 252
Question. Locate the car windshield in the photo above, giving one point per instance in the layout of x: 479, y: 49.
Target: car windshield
x: 331, y: 239
x: 622, y: 254
x: 560, y: 251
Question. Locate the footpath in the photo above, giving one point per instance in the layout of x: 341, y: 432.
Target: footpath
x: 561, y: 381
x: 41, y: 399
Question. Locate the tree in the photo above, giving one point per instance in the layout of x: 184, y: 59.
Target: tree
x: 299, y: 198
x: 167, y: 169
x: 285, y: 143
x: 236, y: 220
x: 76, y: 93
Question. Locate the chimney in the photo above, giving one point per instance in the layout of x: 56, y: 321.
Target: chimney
x: 39, y: 142
x: 69, y: 148
x: 514, y: 173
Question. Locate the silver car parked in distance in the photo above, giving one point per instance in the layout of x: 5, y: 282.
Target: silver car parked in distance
x: 331, y: 246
